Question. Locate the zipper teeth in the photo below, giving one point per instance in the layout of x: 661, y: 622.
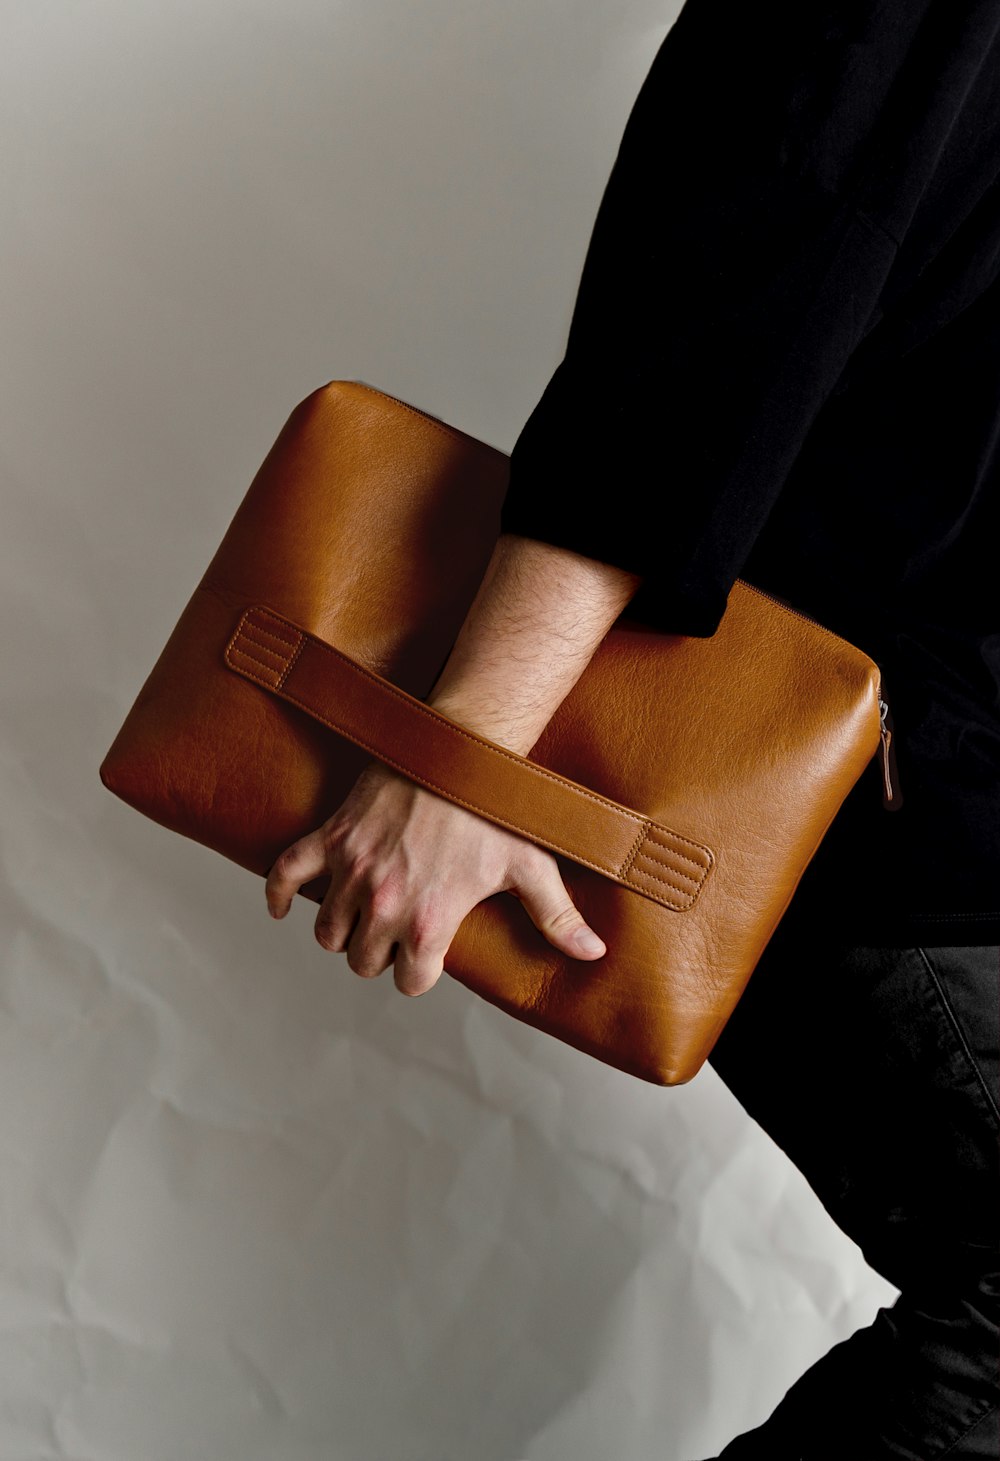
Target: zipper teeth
x: 781, y: 604
x: 442, y: 425
x: 819, y: 625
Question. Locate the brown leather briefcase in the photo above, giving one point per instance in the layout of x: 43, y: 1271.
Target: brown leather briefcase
x: 684, y: 783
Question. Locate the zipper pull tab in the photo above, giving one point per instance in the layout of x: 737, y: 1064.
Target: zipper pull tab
x: 892, y: 798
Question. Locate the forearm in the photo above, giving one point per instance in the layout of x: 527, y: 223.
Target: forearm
x: 535, y: 623
x: 405, y: 866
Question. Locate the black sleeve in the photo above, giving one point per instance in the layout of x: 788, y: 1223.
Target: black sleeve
x: 766, y: 177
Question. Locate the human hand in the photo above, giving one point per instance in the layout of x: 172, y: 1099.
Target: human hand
x: 406, y: 867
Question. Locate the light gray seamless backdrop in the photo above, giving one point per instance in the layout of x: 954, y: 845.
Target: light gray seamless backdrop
x: 254, y: 1207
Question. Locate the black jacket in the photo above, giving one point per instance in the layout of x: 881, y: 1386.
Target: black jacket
x: 784, y: 366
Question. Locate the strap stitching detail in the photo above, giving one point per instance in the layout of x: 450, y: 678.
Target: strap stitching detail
x: 275, y: 670
x: 234, y: 647
x: 665, y: 847
x: 266, y: 649
x: 626, y: 866
x: 660, y: 851
x: 689, y: 877
x: 413, y: 776
x: 638, y: 873
x: 470, y: 806
x: 288, y: 643
x: 645, y: 827
x: 532, y: 766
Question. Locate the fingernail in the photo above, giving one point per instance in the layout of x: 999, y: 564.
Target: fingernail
x: 588, y: 943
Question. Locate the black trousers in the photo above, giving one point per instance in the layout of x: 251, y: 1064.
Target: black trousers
x: 877, y: 1071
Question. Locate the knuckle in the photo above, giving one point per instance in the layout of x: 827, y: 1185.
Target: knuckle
x: 326, y: 937
x: 425, y: 932
x: 566, y: 917
x: 364, y: 966
x: 383, y: 901
x: 285, y: 866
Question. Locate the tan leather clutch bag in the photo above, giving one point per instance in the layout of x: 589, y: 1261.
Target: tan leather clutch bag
x: 684, y: 783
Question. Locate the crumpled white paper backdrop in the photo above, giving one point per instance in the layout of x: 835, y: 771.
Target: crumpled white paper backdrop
x: 250, y: 1205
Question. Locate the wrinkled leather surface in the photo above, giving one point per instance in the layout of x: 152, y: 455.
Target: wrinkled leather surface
x: 704, y: 772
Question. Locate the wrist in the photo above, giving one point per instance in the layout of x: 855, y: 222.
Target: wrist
x: 493, y: 722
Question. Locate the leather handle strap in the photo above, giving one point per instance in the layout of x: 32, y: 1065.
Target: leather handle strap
x: 463, y: 767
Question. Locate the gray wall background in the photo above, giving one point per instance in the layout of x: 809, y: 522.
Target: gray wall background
x: 250, y: 1205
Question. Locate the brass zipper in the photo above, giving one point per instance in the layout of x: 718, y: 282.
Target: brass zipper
x: 892, y: 798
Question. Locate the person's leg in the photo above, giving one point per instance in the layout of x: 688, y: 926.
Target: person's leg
x: 877, y: 1072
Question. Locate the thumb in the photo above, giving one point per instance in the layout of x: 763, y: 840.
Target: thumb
x: 553, y: 912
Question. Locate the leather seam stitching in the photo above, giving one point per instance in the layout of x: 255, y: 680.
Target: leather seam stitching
x: 665, y: 847
x: 288, y: 643
x: 532, y: 767
x: 659, y: 862
x: 264, y: 648
x: 626, y: 867
x: 234, y: 646
x: 666, y: 881
x: 275, y: 669
x: 470, y: 806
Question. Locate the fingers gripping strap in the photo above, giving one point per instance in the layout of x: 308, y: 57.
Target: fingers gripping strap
x: 463, y: 767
